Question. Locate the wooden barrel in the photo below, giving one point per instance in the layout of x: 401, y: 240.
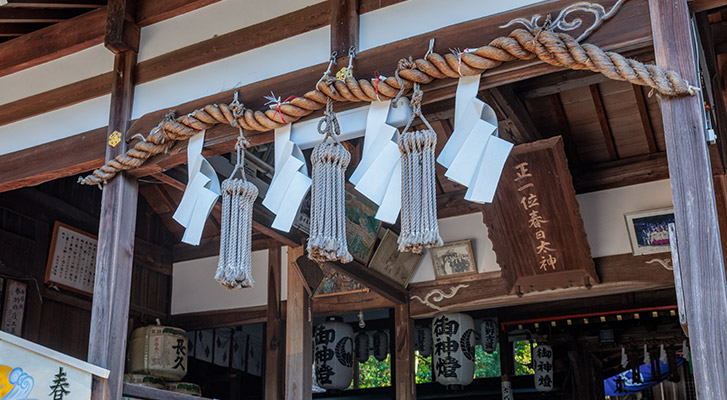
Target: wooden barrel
x: 185, y: 387
x: 159, y: 351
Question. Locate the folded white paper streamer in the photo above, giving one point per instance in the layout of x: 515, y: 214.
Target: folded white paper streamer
x: 290, y: 182
x: 474, y: 138
x: 201, y: 193
x: 378, y: 175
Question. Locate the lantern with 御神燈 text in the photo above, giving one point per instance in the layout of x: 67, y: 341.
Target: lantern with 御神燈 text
x: 454, y: 349
x: 333, y: 354
x: 543, y: 366
x: 489, y: 335
x: 424, y: 340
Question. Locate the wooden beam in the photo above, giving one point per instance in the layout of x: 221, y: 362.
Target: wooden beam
x: 210, y: 247
x: 611, y: 36
x: 55, y: 3
x: 24, y: 15
x: 14, y: 30
x: 603, y: 121
x: 696, y: 6
x: 697, y: 227
x: 404, y: 382
x: 114, y: 260
x: 645, y: 119
x: 619, y: 274
x: 309, y: 272
x: 571, y: 149
x: 373, y: 280
x: 344, y: 25
x: 512, y: 108
x: 274, y: 331
x: 299, y: 335
x: 122, y: 32
x: 620, y: 173
x: 150, y: 393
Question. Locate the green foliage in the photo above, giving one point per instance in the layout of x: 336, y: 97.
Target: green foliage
x: 487, y: 365
x: 375, y: 373
x: 424, y: 368
x: 523, y: 358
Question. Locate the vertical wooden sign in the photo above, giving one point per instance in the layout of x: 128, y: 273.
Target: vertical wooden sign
x: 535, y: 223
x: 14, y: 307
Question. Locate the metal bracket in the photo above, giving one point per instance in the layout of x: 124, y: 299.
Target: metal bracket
x: 674, y: 244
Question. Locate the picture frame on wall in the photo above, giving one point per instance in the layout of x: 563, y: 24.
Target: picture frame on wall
x: 72, y: 259
x: 362, y: 227
x: 335, y: 282
x: 397, y: 266
x: 453, y: 259
x: 649, y: 230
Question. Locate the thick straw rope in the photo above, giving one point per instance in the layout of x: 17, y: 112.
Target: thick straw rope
x: 559, y: 49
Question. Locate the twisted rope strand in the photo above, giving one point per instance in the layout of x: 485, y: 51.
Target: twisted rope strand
x: 558, y: 49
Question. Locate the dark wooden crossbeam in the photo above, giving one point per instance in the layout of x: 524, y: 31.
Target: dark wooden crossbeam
x: 56, y: 3
x: 603, y: 121
x: 29, y: 15
x: 520, y: 127
x: 149, y: 393
x: 344, y: 25
x: 122, y: 31
x: 372, y: 280
x: 14, y: 30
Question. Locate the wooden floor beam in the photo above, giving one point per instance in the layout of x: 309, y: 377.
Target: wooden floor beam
x: 697, y: 228
x: 115, y: 256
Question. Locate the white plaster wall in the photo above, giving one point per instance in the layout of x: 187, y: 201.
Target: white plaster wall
x: 603, y: 214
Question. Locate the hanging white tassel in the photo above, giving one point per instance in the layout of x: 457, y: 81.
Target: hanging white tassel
x: 662, y: 354
x: 419, y: 225
x: 234, y: 269
x: 685, y: 350
x: 624, y: 358
x: 327, y: 241
x: 647, y: 359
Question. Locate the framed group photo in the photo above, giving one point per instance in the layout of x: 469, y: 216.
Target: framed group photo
x: 649, y: 230
x: 453, y: 259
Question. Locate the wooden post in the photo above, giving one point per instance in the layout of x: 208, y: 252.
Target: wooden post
x: 404, y: 384
x: 699, y: 247
x: 299, y: 335
x: 274, y: 351
x: 344, y: 26
x: 114, y: 259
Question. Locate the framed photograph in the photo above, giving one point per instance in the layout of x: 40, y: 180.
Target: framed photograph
x: 361, y: 225
x: 452, y: 259
x: 389, y: 261
x: 649, y: 230
x: 71, y: 259
x: 335, y: 282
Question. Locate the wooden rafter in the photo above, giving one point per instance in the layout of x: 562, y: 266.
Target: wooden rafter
x: 603, y: 121
x: 509, y: 104
x: 571, y: 149
x: 55, y: 3
x: 25, y: 15
x: 645, y: 118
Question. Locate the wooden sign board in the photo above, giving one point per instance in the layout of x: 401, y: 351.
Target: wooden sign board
x: 14, y: 307
x: 72, y: 259
x: 535, y: 223
x: 31, y: 371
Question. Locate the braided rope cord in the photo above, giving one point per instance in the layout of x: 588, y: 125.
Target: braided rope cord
x: 558, y: 49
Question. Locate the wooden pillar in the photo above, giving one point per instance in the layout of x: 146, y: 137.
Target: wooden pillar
x: 114, y: 258
x: 299, y: 335
x: 586, y: 372
x: 699, y: 247
x: 344, y: 26
x: 404, y: 384
x: 507, y: 356
x: 274, y: 338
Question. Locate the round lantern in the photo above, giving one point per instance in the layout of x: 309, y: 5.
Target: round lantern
x: 543, y: 365
x: 454, y: 349
x: 424, y: 340
x: 489, y: 335
x: 361, y: 347
x: 381, y: 345
x: 333, y: 354
x: 159, y: 351
x: 507, y: 390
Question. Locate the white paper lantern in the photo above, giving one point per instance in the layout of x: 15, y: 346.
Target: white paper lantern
x: 333, y: 354
x: 361, y: 347
x: 507, y: 390
x: 424, y: 340
x: 543, y: 365
x: 454, y: 349
x: 381, y: 345
x: 489, y: 335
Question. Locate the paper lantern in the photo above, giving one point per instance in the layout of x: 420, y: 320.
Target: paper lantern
x: 543, y: 365
x: 333, y: 354
x: 361, y: 346
x: 489, y: 335
x: 507, y: 390
x: 424, y: 340
x: 159, y: 351
x: 454, y: 349
x: 381, y: 345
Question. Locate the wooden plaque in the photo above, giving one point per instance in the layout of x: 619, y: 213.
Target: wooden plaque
x: 72, y: 259
x: 535, y: 223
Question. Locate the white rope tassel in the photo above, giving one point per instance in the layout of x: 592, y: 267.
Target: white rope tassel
x: 234, y: 270
x: 327, y: 241
x: 419, y: 226
x: 624, y: 358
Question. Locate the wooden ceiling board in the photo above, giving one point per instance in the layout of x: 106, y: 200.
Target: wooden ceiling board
x: 585, y: 129
x: 652, y: 105
x: 623, y: 118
